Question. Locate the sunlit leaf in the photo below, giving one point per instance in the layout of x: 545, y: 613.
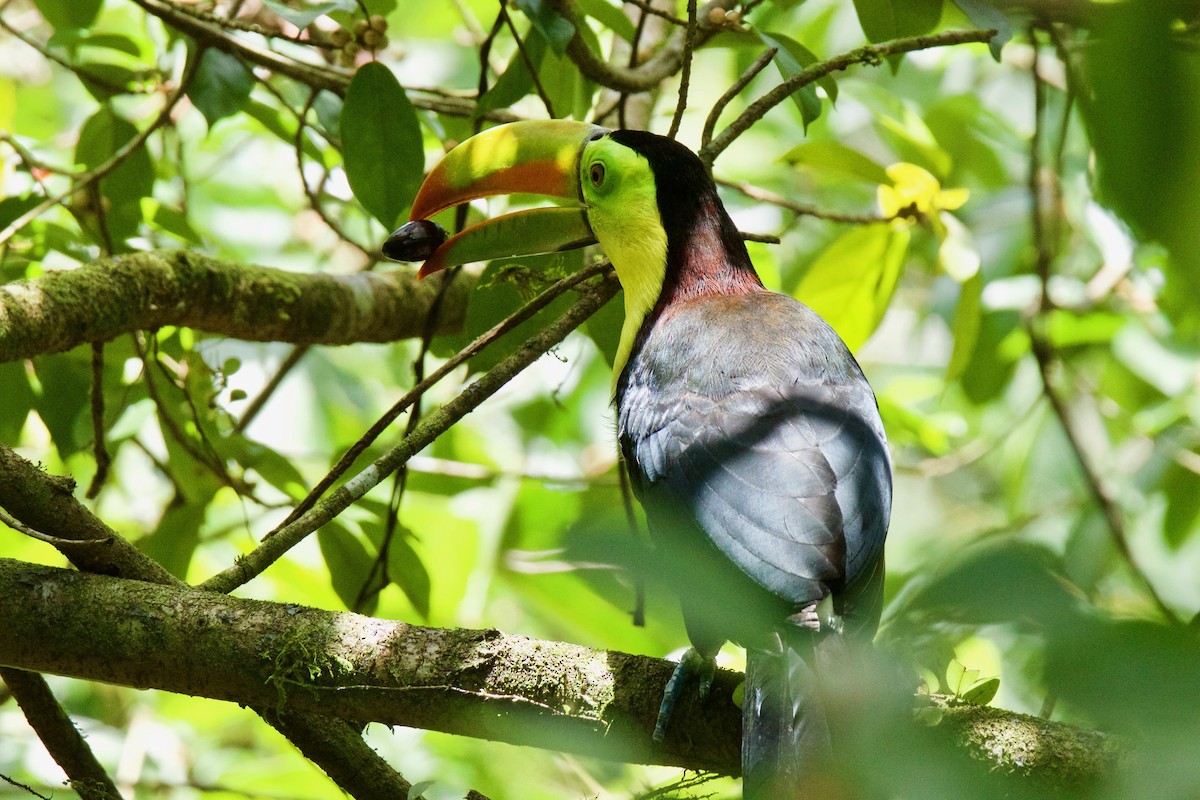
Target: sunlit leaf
x: 852, y: 281
x: 836, y: 158
x: 981, y: 692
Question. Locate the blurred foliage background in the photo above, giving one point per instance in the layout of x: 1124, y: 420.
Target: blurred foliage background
x: 1006, y: 235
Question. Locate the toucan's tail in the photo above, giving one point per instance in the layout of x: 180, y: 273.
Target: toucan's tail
x: 785, y: 732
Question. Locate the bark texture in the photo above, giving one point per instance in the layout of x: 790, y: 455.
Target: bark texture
x: 142, y: 291
x: 483, y: 684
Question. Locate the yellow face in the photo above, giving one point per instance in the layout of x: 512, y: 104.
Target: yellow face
x: 622, y: 208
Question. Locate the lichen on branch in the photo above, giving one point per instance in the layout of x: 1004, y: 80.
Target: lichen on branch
x: 140, y: 291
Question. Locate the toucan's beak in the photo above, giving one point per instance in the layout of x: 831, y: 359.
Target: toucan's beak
x: 529, y: 157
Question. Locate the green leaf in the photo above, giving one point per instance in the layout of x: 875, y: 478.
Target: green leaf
x: 351, y: 567
x: 1067, y: 329
x: 63, y: 402
x: 381, y: 141
x: 837, y: 159
x: 106, y: 81
x: 306, y: 15
x: 882, y: 20
x: 13, y: 207
x: 64, y: 14
x: 968, y: 318
x: 170, y: 220
x: 554, y: 28
x: 1181, y: 487
x: 955, y: 671
x: 984, y: 14
x: 609, y: 16
x: 174, y: 541
x: 329, y: 111
x: 852, y: 281
x: 790, y: 65
x: 998, y: 346
x: 408, y: 571
x: 101, y: 137
x: 18, y: 399
x: 113, y: 41
x: 981, y: 692
x: 221, y: 87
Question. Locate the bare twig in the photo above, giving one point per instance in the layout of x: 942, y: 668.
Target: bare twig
x: 59, y: 734
x: 422, y: 386
x: 685, y: 75
x: 529, y: 65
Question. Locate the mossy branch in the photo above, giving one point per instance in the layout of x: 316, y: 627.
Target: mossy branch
x: 47, y: 502
x: 483, y: 684
x: 140, y: 291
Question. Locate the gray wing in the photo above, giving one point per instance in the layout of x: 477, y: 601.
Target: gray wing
x: 765, y: 432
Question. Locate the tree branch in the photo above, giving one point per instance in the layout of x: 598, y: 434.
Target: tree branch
x: 59, y: 734
x: 483, y: 684
x: 46, y: 502
x: 139, y: 291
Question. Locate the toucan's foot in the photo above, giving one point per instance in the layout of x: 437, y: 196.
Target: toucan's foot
x: 704, y: 669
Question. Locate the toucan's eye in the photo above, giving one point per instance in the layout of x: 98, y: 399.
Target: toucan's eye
x: 596, y: 173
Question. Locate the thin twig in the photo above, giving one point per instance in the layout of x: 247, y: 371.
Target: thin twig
x: 313, y: 194
x: 649, y: 8
x: 21, y: 527
x: 59, y: 735
x: 685, y: 75
x: 803, y: 209
x: 283, y: 539
x: 714, y: 114
x: 870, y: 54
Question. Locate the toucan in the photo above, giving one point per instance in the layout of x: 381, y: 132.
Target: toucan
x: 752, y: 439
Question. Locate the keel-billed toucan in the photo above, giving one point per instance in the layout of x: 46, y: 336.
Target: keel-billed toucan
x: 752, y: 438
